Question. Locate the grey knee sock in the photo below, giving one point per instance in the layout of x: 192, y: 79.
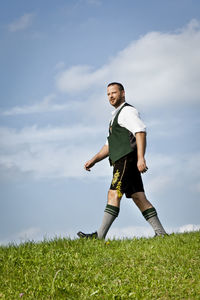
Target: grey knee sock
x: 110, y: 214
x: 151, y: 216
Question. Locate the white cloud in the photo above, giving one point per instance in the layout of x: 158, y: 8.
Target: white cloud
x: 172, y: 172
x: 36, y: 234
x: 79, y: 78
x: 35, y: 135
x: 29, y: 233
x: 22, y: 23
x: 141, y: 67
x: 159, y: 68
x: 46, y: 105
x: 61, y: 152
x: 143, y: 231
x: 130, y: 232
x: 48, y: 161
x: 189, y: 228
x: 160, y: 182
x: 49, y: 152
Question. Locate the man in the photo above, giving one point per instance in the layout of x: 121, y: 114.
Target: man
x: 125, y: 147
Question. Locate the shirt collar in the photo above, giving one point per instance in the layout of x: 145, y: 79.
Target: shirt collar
x: 114, y: 112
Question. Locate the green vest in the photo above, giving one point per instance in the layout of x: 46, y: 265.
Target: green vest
x: 120, y: 140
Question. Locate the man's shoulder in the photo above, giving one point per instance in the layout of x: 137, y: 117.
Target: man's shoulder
x: 129, y: 108
x: 127, y: 105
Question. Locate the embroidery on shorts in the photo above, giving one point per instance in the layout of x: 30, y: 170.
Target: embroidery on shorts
x: 118, y: 188
x: 115, y: 177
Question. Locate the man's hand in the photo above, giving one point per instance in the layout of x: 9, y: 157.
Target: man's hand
x: 89, y: 164
x: 103, y: 153
x: 141, y: 164
x: 141, y: 146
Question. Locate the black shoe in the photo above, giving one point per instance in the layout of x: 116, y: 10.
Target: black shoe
x: 161, y: 234
x: 87, y: 235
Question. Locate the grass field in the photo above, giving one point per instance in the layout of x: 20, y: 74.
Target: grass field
x: 154, y: 268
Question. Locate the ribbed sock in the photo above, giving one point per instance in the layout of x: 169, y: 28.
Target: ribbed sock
x: 110, y: 214
x: 151, y: 216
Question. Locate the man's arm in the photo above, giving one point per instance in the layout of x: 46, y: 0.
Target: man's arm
x: 103, y: 153
x: 141, y: 147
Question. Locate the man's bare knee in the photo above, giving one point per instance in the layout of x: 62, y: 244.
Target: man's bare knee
x: 113, y: 198
x: 141, y: 201
x: 138, y: 197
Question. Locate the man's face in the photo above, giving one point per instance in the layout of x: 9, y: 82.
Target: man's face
x: 115, y: 96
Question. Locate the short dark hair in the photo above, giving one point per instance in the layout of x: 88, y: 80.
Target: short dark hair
x: 120, y: 86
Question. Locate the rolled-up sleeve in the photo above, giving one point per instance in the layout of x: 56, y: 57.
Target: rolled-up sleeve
x: 130, y: 119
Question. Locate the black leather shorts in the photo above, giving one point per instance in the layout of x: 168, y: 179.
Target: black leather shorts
x: 126, y: 176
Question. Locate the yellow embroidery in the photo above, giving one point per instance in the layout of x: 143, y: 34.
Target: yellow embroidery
x: 115, y: 177
x: 118, y: 188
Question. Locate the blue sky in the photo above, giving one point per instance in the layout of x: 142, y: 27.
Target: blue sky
x: 56, y: 59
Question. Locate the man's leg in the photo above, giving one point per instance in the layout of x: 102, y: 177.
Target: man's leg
x: 110, y: 213
x: 115, y: 194
x: 149, y: 212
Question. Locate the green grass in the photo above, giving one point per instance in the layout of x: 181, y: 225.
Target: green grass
x: 154, y: 268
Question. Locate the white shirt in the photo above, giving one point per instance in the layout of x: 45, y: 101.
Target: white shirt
x: 129, y: 118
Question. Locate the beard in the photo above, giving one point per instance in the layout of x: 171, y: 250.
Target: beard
x: 117, y: 101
